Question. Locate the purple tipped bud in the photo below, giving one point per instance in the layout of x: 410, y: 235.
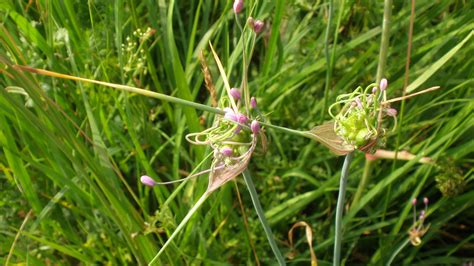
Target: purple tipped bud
x: 241, y: 118
x: 383, y: 84
x: 147, y: 181
x: 235, y: 93
x: 237, y: 130
x: 258, y: 26
x: 374, y: 89
x: 255, y: 127
x: 227, y: 151
x: 413, y: 202
x: 250, y: 22
x: 391, y: 112
x: 253, y: 102
x: 370, y: 98
x: 358, y: 102
x: 425, y: 200
x: 422, y: 215
x: 238, y: 6
x: 230, y: 115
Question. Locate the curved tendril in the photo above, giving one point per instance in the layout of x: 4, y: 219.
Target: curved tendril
x: 237, y: 143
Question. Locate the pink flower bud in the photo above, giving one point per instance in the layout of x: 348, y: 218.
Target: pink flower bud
x: 258, y: 26
x: 230, y: 115
x: 148, y: 181
x: 422, y: 215
x: 253, y: 102
x: 383, y: 84
x: 255, y: 127
x: 374, y: 89
x: 250, y: 22
x: 413, y: 202
x: 235, y: 93
x: 391, y: 112
x: 241, y: 118
x: 238, y: 6
x: 425, y: 200
x: 227, y: 151
x: 370, y: 98
x: 358, y: 102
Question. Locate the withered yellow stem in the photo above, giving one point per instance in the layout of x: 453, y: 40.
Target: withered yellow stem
x: 411, y: 95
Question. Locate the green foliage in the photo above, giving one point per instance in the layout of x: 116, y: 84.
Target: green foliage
x: 73, y: 152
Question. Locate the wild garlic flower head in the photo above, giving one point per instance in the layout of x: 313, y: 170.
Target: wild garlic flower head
x: 233, y: 137
x: 358, y: 121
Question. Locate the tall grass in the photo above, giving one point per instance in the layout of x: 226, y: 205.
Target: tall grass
x: 73, y: 152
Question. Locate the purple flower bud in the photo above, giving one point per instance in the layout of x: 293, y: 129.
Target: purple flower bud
x: 383, y: 84
x: 258, y: 26
x: 148, y: 181
x: 238, y: 6
x: 425, y: 200
x: 358, y: 102
x: 422, y: 215
x: 227, y: 151
x: 235, y: 93
x: 374, y: 89
x: 413, y: 202
x: 253, y: 102
x: 250, y: 22
x: 255, y: 127
x: 241, y: 118
x: 230, y: 115
x: 237, y: 130
x: 391, y: 112
x: 370, y: 98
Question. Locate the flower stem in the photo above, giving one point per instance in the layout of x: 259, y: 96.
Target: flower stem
x: 340, y: 209
x: 387, y: 16
x: 151, y: 94
x: 180, y: 227
x: 328, y: 59
x: 261, y: 216
x: 363, y: 182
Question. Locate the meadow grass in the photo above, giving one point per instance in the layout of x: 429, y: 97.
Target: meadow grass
x: 73, y: 152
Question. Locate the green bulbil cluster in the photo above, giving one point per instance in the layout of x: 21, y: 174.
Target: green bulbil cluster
x: 353, y: 128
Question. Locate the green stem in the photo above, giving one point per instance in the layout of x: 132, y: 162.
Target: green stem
x: 152, y: 94
x: 328, y: 59
x: 397, y: 251
x: 180, y: 227
x: 363, y: 182
x: 340, y: 209
x: 387, y: 16
x: 261, y: 216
